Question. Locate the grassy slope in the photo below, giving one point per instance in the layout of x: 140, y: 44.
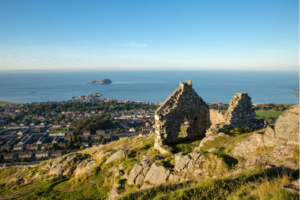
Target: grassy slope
x: 257, y: 184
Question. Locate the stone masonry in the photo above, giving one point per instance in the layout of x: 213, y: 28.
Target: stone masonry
x: 239, y: 114
x: 183, y: 103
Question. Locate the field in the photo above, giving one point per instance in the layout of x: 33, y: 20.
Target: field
x: 267, y: 113
x: 264, y: 113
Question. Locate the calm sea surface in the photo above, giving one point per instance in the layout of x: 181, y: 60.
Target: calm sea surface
x: 150, y: 86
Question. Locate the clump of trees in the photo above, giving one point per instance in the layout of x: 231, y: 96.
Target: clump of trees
x: 93, y: 123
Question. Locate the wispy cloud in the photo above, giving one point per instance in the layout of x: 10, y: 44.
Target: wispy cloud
x: 271, y: 51
x: 134, y: 45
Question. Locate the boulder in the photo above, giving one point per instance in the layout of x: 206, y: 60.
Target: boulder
x: 187, y: 163
x: 293, y: 187
x: 116, y: 156
x: 64, y: 164
x: 287, y: 125
x: 182, y: 161
x: 138, y: 172
x: 283, y: 136
x: 247, y: 147
x: 174, y: 177
x: 157, y: 174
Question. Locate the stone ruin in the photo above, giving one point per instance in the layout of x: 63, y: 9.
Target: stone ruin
x: 185, y: 103
x: 239, y: 114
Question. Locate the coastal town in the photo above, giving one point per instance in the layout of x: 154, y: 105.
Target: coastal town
x: 38, y: 131
x: 28, y: 132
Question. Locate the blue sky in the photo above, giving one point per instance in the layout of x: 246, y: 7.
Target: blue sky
x: 149, y: 35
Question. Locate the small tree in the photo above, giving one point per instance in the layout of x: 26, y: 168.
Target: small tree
x: 81, y: 147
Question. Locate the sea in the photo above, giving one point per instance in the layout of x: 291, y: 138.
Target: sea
x: 150, y: 86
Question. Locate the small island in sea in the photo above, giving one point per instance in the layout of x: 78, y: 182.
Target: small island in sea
x: 103, y: 81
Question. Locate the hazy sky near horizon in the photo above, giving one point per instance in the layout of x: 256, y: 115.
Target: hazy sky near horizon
x: 149, y: 34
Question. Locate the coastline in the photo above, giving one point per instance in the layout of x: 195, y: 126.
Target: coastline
x: 2, y: 102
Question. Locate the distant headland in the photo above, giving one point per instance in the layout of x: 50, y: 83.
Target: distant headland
x: 103, y: 81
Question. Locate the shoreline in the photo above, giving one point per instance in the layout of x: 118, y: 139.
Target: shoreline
x: 9, y: 102
x: 14, y: 102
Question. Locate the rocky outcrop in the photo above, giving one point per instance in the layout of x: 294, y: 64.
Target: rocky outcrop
x: 183, y: 103
x: 293, y: 187
x: 247, y: 147
x: 138, y: 172
x: 157, y: 174
x: 279, y: 141
x: 64, y: 164
x: 187, y: 163
x: 116, y: 156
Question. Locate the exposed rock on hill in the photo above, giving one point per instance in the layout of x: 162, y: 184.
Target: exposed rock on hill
x: 280, y: 140
x: 64, y: 165
x: 157, y: 174
x: 117, y: 155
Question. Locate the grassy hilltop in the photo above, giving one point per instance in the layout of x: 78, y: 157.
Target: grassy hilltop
x: 228, y: 182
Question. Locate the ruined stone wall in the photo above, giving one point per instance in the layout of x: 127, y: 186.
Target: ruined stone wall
x: 216, y: 117
x: 240, y: 112
x: 183, y: 103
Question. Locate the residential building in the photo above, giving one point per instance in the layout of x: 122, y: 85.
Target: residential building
x: 86, y: 133
x: 132, y: 130
x: 26, y: 154
x: 18, y: 147
x: 85, y: 144
x: 23, y: 131
x: 11, y: 156
x: 100, y: 132
x: 60, y: 134
x: 42, y: 154
x: 57, y: 153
